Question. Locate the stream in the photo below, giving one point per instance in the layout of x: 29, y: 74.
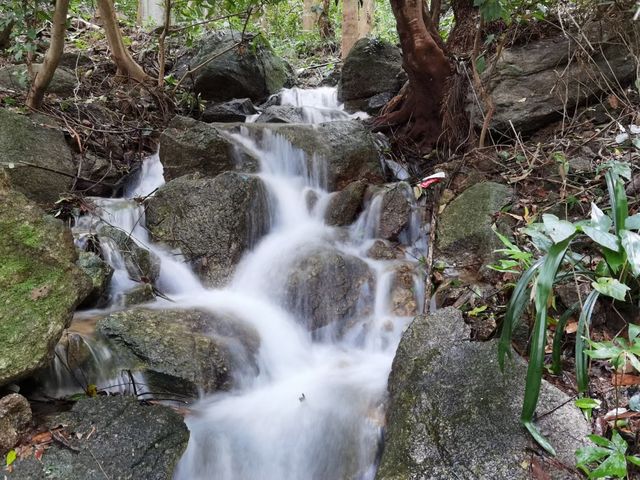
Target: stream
x: 315, y: 409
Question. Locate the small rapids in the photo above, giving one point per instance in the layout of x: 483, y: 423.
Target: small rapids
x: 315, y: 410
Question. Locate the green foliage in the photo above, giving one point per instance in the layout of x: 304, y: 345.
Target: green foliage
x: 587, y: 405
x: 620, y: 352
x: 618, y: 251
x: 27, y: 18
x: 607, y: 458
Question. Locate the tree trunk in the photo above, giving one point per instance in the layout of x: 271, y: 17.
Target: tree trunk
x: 150, y: 11
x: 127, y: 67
x: 5, y: 35
x: 464, y: 29
x: 357, y: 22
x: 418, y: 111
x: 309, y: 15
x: 44, y: 74
x: 324, y: 22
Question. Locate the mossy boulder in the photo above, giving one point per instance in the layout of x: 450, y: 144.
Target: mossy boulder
x: 36, y: 159
x: 40, y: 285
x: 249, y: 70
x: 110, y: 437
x: 453, y: 414
x: 15, y: 77
x: 213, y: 221
x: 182, y: 351
x: 465, y: 226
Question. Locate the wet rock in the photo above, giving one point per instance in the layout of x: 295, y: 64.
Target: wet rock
x: 453, y: 414
x: 141, y: 294
x: 373, y: 67
x: 100, y: 274
x: 528, y: 86
x: 345, y: 206
x: 16, y: 77
x: 346, y: 149
x: 40, y: 286
x: 183, y: 352
x: 15, y: 416
x: 395, y: 212
x: 29, y: 153
x: 250, y: 70
x: 213, y: 221
x: 291, y: 114
x: 232, y: 111
x: 383, y: 250
x: 323, y: 274
x: 142, y: 265
x: 464, y: 227
x: 110, y: 437
x: 189, y: 146
x: 404, y: 301
x: 101, y: 174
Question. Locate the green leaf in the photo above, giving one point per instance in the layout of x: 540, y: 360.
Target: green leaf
x: 633, y: 459
x: 517, y: 303
x: 605, y: 239
x: 558, y: 230
x: 543, y: 286
x: 582, y: 334
x: 632, y: 222
x: 603, y: 350
x: 619, y: 443
x: 611, y: 287
x: 538, y: 437
x: 631, y: 244
x: 590, y: 454
x: 556, y: 354
x: 481, y: 64
x: 614, y: 260
x: 599, y: 219
x: 618, y: 196
x: 11, y: 457
x: 614, y: 466
x: 587, y: 402
x: 603, y: 442
x: 634, y: 331
x: 474, y: 312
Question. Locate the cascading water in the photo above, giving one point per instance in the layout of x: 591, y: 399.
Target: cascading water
x: 315, y: 409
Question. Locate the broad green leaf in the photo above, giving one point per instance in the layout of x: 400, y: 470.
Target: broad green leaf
x: 632, y: 222
x: 558, y: 230
x: 601, y: 441
x: 614, y: 466
x: 543, y: 286
x: 611, y: 287
x: 11, y: 457
x: 618, y: 196
x: 603, y: 351
x: 603, y: 238
x: 619, y: 443
x: 633, y: 459
x: 633, y: 360
x: 590, y: 454
x: 599, y: 219
x: 582, y: 334
x: 587, y: 402
x: 556, y: 354
x: 631, y: 244
x: 634, y: 331
x: 615, y: 260
x: 539, y: 239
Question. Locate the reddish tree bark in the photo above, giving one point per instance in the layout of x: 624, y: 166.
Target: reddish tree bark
x: 417, y: 111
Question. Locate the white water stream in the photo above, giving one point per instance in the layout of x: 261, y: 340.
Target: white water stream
x: 316, y: 409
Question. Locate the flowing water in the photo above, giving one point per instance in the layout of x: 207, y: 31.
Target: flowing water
x: 315, y: 410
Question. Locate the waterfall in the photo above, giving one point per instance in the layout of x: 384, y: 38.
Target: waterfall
x: 315, y: 410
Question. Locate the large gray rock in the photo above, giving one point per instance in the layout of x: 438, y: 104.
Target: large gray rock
x: 535, y: 84
x: 373, y: 67
x: 291, y: 114
x: 236, y: 110
x: 16, y: 77
x: 182, y: 351
x: 395, y: 210
x: 40, y: 286
x: 37, y: 160
x: 345, y: 150
x: 250, y: 70
x: 324, y: 273
x: 345, y: 206
x: 189, y: 146
x: 453, y: 414
x: 110, y: 437
x: 464, y: 228
x: 15, y: 416
x: 213, y: 221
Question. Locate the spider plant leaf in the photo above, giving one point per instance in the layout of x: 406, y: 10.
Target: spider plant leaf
x: 614, y: 466
x: 634, y: 331
x: 543, y: 285
x: 632, y: 222
x: 538, y: 437
x: 517, y: 303
x: 556, y: 365
x: 582, y: 335
x: 618, y: 196
x: 599, y: 219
